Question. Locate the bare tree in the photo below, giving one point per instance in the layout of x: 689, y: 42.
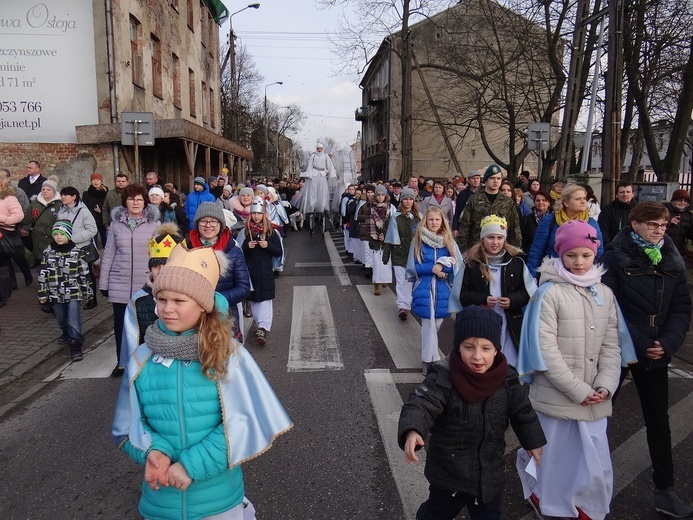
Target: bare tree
x: 383, y: 18
x: 237, y: 122
x: 658, y: 56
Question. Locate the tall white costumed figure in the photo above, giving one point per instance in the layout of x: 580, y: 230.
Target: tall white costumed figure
x: 345, y: 163
x: 316, y: 196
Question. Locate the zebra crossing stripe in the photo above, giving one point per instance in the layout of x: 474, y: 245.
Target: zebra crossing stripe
x: 387, y: 403
x: 313, y: 343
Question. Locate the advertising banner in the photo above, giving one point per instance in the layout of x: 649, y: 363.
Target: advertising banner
x: 47, y: 70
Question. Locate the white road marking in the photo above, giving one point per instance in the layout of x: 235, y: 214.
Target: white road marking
x: 337, y: 264
x: 387, y: 403
x: 99, y: 360
x: 402, y: 338
x: 313, y: 344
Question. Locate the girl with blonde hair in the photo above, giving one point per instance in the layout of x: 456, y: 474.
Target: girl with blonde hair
x: 434, y: 261
x: 194, y: 405
x: 572, y: 205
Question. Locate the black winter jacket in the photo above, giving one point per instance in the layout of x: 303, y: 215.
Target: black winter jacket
x: 655, y: 300
x: 475, y: 290
x: 683, y: 232
x: 613, y: 218
x: 259, y: 262
x: 467, y: 443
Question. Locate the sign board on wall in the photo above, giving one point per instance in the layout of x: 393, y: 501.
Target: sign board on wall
x: 47, y: 70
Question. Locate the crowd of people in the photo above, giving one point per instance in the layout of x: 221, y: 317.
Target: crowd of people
x: 556, y: 300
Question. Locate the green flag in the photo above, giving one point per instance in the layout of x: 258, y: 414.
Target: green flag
x: 219, y: 11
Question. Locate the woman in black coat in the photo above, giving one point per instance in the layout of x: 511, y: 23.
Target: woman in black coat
x: 680, y: 220
x: 648, y: 277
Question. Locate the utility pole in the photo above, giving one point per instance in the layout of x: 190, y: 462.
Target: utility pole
x: 231, y: 56
x: 611, y: 142
x: 405, y: 117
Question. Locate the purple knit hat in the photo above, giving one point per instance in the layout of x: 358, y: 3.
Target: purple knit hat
x: 575, y: 233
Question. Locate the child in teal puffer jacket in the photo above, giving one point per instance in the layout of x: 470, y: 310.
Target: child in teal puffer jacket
x: 193, y: 405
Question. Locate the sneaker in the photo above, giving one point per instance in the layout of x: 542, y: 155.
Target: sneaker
x: 75, y: 350
x: 260, y: 334
x: 533, y: 502
x: 667, y: 502
x: 64, y: 338
x: 403, y: 314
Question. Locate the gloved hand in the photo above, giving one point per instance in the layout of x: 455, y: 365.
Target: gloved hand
x: 105, y: 293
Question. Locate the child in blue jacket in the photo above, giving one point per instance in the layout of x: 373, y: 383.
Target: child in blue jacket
x: 194, y: 405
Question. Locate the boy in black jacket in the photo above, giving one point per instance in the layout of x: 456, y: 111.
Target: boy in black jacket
x: 466, y: 402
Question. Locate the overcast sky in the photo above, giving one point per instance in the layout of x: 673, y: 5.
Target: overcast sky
x: 288, y: 41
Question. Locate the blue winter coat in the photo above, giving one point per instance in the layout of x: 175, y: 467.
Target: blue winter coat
x: 545, y: 239
x: 184, y: 419
x: 193, y: 201
x: 425, y: 281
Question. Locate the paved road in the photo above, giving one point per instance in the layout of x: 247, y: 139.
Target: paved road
x: 342, y: 368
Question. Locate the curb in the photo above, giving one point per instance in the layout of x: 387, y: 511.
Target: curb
x: 51, y: 349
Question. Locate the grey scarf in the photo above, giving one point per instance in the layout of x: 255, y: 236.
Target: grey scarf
x: 432, y: 239
x: 175, y: 347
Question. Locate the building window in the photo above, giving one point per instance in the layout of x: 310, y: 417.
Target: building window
x: 212, y: 109
x: 191, y: 16
x: 155, y: 48
x: 176, y: 81
x: 204, y: 103
x: 211, y: 24
x: 203, y: 24
x: 135, y: 52
x: 191, y: 88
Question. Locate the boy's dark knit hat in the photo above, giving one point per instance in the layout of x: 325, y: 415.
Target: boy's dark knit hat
x: 478, y: 322
x: 369, y: 187
x: 211, y: 210
x: 200, y: 181
x: 64, y: 227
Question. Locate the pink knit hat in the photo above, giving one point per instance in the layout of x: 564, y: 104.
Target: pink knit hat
x: 575, y: 233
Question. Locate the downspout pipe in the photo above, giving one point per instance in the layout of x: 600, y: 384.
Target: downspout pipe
x: 111, y: 81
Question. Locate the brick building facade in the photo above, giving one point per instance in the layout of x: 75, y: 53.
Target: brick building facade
x: 158, y: 56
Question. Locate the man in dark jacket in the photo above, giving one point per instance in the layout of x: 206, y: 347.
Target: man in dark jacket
x: 473, y: 184
x: 31, y: 184
x: 614, y: 216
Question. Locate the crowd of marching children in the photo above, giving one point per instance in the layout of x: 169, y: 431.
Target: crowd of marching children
x: 556, y: 300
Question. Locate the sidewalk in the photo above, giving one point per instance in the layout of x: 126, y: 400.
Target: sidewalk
x: 29, y: 336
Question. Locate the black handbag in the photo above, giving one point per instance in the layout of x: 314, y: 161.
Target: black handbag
x: 91, y: 254
x: 10, y: 242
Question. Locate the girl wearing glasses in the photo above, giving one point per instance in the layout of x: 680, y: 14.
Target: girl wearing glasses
x: 125, y: 261
x: 648, y: 276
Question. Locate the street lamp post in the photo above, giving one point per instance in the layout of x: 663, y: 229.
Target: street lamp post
x: 280, y: 129
x: 231, y: 54
x: 267, y: 123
